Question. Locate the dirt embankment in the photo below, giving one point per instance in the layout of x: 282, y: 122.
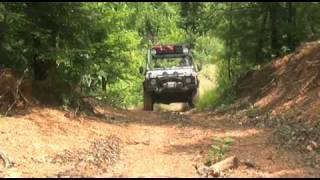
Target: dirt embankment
x: 19, y: 91
x: 285, y: 93
x: 15, y: 91
x: 290, y: 82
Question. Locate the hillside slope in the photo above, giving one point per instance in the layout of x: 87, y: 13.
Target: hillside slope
x: 289, y: 85
x: 284, y: 95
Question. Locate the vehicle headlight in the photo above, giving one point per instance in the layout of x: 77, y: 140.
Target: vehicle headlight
x: 153, y: 82
x: 188, y: 80
x: 153, y: 52
x: 185, y: 51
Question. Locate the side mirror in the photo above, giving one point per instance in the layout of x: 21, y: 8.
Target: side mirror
x: 141, y: 70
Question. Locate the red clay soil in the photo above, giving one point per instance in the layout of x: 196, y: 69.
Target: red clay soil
x: 290, y: 84
x: 47, y: 143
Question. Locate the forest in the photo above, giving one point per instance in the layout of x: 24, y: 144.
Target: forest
x: 98, y: 47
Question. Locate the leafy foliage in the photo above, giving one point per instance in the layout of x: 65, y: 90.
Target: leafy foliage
x: 99, y: 46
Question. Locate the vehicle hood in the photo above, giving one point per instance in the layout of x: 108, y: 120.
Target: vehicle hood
x: 171, y: 72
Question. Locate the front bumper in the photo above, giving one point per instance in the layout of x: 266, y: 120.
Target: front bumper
x: 170, y: 86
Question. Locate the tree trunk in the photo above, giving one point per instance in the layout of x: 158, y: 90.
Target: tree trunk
x: 230, y: 43
x: 104, y: 83
x: 273, y: 10
x: 292, y: 25
x: 261, y: 37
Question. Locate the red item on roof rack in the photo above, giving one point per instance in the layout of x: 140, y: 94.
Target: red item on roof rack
x: 164, y: 48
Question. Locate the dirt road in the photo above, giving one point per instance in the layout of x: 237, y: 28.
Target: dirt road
x: 48, y: 142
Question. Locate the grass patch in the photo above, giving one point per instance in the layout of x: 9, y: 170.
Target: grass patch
x: 218, y: 150
x: 286, y: 134
x: 252, y: 112
x: 285, y: 131
x: 216, y: 97
x: 224, y: 93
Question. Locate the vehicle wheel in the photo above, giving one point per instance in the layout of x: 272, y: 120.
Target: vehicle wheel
x: 148, y: 101
x: 191, y: 104
x: 192, y: 100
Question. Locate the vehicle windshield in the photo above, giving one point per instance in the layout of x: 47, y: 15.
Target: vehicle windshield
x: 170, y: 62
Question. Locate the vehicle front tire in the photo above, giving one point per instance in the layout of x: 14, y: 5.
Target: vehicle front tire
x: 147, y: 101
x: 191, y: 104
x: 192, y: 100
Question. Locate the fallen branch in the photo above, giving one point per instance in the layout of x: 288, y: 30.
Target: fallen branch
x: 313, y: 63
x: 216, y: 169
x: 305, y: 87
x: 6, y: 160
x: 258, y: 143
x: 16, y: 94
x: 24, y: 98
x: 267, y: 86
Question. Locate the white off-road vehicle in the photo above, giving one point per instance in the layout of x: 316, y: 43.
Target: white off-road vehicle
x: 170, y: 76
